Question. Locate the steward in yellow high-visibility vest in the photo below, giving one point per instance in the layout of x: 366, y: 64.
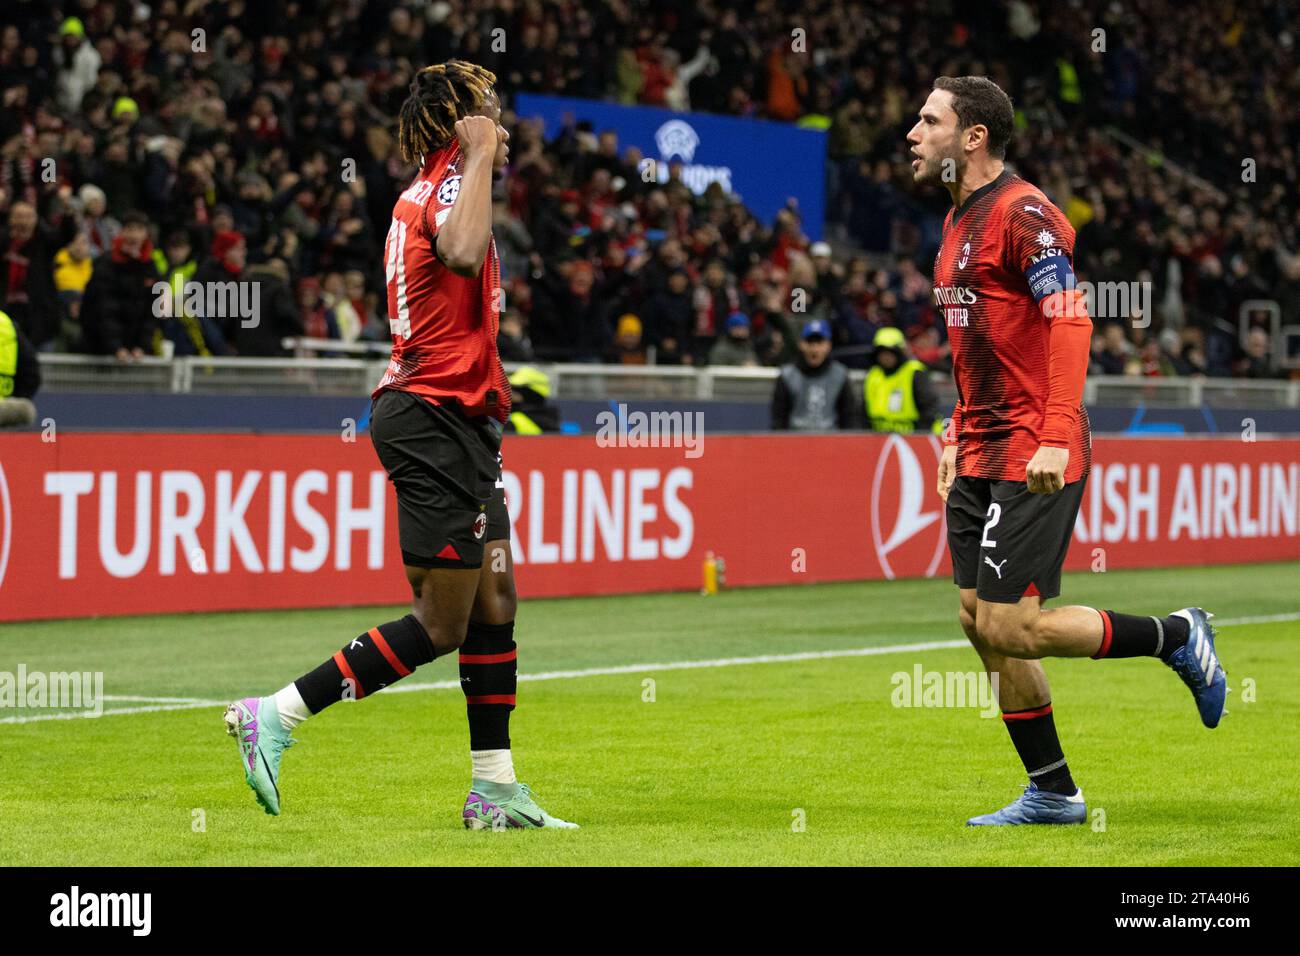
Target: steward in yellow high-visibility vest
x: 898, y: 393
x: 531, y: 411
x: 20, y: 375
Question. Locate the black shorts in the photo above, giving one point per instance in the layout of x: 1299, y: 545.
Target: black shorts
x: 1006, y: 542
x: 446, y: 469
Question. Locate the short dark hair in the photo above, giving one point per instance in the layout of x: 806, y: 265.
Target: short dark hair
x: 978, y: 101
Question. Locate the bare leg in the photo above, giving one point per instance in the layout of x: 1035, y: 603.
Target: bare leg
x: 1025, y: 699
x: 441, y: 601
x: 495, y: 601
x: 1028, y: 632
x: 1021, y: 684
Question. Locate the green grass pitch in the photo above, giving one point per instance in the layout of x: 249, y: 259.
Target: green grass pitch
x: 721, y: 767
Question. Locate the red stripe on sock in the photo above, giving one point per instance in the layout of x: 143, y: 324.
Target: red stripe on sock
x: 1028, y: 714
x: 342, y: 663
x: 393, y: 662
x: 1105, y: 636
x: 492, y: 699
x: 489, y: 658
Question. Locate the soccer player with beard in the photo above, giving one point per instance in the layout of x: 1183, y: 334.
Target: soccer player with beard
x: 1016, y: 458
x: 437, y: 418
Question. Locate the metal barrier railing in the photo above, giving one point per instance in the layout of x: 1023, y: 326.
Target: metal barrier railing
x: 358, y: 376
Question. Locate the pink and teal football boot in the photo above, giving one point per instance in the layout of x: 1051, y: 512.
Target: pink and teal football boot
x: 254, y: 722
x: 507, y: 806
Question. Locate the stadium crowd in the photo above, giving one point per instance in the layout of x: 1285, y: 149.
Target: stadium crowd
x: 186, y: 140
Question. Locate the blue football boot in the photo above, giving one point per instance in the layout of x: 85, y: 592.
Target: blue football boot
x: 1197, y: 663
x: 1035, y: 806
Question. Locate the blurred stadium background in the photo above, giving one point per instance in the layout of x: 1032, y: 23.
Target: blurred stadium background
x: 242, y: 123
x: 690, y: 184
x: 178, y: 462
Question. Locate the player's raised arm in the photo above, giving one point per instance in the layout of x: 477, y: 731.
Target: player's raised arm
x: 453, y: 106
x: 463, y: 239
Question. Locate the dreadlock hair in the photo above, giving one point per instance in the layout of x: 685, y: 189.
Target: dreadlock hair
x: 440, y: 95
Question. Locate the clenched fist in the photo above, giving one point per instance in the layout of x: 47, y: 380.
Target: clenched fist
x: 477, y: 134
x: 1045, y: 473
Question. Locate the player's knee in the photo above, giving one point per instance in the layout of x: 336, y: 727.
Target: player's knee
x: 504, y: 601
x: 446, y: 639
x: 507, y: 606
x: 497, y: 608
x: 446, y: 636
x: 966, y: 617
x: 496, y: 604
x: 1009, y: 637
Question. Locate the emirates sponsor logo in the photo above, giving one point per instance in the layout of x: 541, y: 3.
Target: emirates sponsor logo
x: 954, y: 295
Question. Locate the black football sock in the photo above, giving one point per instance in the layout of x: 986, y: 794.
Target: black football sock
x: 381, y: 656
x: 1127, y: 635
x: 1034, y: 734
x: 487, y: 676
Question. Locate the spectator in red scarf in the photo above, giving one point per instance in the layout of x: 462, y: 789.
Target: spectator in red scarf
x: 715, y: 299
x: 311, y: 310
x: 225, y: 265
x: 657, y: 75
x: 230, y: 250
x: 117, y: 314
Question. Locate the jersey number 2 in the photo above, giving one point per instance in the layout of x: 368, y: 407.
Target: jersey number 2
x: 395, y: 271
x: 994, y: 515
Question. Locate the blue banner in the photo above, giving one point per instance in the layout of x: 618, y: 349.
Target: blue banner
x: 766, y: 163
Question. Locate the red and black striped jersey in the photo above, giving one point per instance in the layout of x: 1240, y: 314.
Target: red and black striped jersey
x: 444, y: 326
x: 1004, y: 251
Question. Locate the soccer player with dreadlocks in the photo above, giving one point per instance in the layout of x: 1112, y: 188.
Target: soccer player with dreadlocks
x: 437, y: 418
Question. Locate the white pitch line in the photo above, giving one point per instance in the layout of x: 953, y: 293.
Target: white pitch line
x: 1257, y: 619
x: 190, y: 704
x: 692, y: 665
x: 187, y: 703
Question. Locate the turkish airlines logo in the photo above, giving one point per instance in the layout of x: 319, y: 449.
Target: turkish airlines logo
x: 6, y: 524
x: 909, y: 540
